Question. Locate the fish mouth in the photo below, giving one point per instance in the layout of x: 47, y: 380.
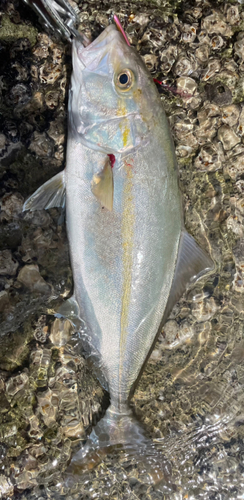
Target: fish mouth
x: 113, y: 35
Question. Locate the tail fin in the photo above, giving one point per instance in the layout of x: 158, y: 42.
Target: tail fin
x: 115, y: 433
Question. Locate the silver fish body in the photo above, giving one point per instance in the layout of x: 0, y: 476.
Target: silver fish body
x: 123, y: 260
x: 131, y: 261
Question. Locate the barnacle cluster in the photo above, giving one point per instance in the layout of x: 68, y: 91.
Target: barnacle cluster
x: 190, y: 397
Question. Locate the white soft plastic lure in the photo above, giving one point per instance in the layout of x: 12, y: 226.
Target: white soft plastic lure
x: 131, y: 256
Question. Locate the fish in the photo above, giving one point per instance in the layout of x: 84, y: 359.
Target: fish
x: 131, y: 256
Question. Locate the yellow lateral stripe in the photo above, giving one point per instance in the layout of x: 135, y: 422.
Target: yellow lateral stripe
x: 128, y: 222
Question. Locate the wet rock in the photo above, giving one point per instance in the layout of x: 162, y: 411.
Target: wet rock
x: 189, y: 33
x: 230, y: 114
x: 50, y: 73
x: 41, y: 330
x: 172, y: 336
x: 238, y: 281
x: 35, y: 432
x: 41, y: 145
x: 208, y: 158
x: 8, y: 264
x: 239, y: 45
x: 240, y: 128
x: 30, y: 277
x: 15, y: 347
x: 3, y: 143
x: 185, y: 66
x: 26, y: 480
x: 232, y: 15
x: 16, y: 384
x: 48, y: 407
x: 167, y: 58
x: 207, y: 128
x: 52, y: 99
x: 56, y: 131
x: 215, y: 24
x: 39, y: 368
x: 228, y: 137
x: 11, y: 205
x: 217, y: 42
x: 187, y: 86
x: 204, y: 308
x: 212, y: 68
x: 240, y: 205
x: 61, y: 332
x: 235, y: 224
x: 202, y: 52
x: 20, y: 95
x: 6, y: 487
x: 4, y: 301
x: 219, y: 94
x: 234, y: 167
x: 39, y: 218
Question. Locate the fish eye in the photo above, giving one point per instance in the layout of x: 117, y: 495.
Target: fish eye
x: 125, y: 80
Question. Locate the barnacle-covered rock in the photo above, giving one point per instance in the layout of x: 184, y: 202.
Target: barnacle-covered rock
x: 8, y: 264
x: 203, y: 307
x: 202, y: 52
x: 209, y: 158
x: 217, y: 42
x: 215, y: 23
x: 185, y: 66
x: 41, y: 331
x: 240, y: 128
x: 228, y: 137
x: 41, y: 145
x: 233, y: 15
x: 11, y: 205
x: 230, y: 114
x: 30, y: 277
x: 6, y: 487
x: 239, y: 46
x: 235, y: 224
x: 219, y: 94
x: 234, y: 166
x: 56, y: 131
x: 39, y: 367
x: 3, y: 143
x: 187, y: 86
x: 16, y: 384
x: 167, y: 58
x: 207, y: 128
x: 48, y: 407
x: 189, y: 33
x: 238, y: 281
x: 213, y: 67
x: 50, y: 72
x: 4, y: 301
x: 194, y: 378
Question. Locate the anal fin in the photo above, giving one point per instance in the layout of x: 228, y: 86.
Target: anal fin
x: 192, y: 263
x: 51, y: 194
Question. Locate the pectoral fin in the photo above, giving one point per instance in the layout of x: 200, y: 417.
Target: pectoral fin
x: 192, y: 263
x: 51, y: 194
x: 102, y: 186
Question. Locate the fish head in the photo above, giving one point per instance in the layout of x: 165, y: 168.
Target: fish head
x: 114, y: 102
